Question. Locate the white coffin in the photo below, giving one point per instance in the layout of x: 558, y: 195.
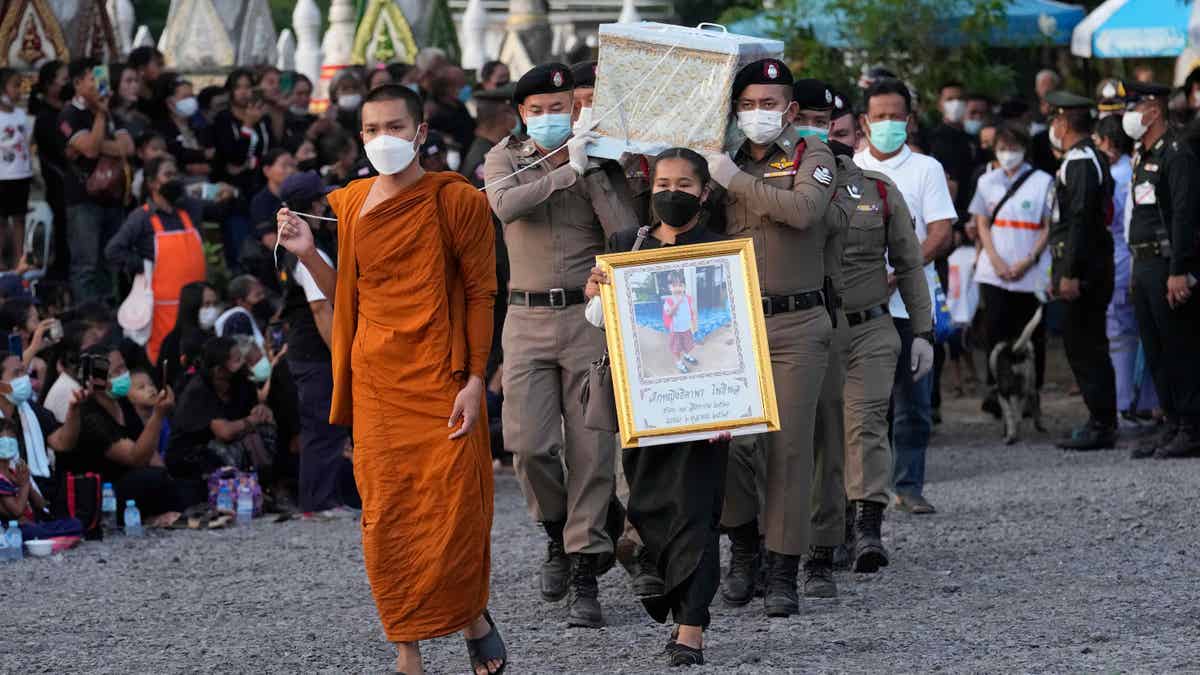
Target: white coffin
x: 660, y: 86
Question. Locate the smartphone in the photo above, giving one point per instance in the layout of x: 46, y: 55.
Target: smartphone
x: 103, y: 84
x: 277, y: 334
x: 93, y: 366
x: 14, y: 345
x: 56, y: 332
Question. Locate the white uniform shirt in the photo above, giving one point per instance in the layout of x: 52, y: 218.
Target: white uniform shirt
x: 922, y: 181
x: 1017, y: 227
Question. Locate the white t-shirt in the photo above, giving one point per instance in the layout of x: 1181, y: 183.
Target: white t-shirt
x: 302, y: 276
x: 1017, y: 227
x: 58, y: 399
x: 16, y: 133
x: 922, y: 181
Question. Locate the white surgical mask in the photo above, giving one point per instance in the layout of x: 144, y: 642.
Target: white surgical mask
x: 1055, y: 139
x: 1131, y: 122
x: 298, y: 110
x: 453, y: 160
x: 186, y: 107
x: 972, y: 126
x: 390, y: 154
x: 585, y: 120
x: 349, y: 101
x: 208, y: 317
x: 761, y: 126
x: 954, y: 110
x: 1010, y: 159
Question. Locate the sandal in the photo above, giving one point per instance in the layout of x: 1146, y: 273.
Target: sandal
x: 490, y: 647
x: 683, y: 655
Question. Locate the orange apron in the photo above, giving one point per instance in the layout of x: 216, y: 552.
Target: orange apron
x: 178, y: 261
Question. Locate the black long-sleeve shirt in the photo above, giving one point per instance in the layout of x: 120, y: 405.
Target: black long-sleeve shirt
x: 1080, y: 237
x: 1166, y: 200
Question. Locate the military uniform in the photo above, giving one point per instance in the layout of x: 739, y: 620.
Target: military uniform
x: 1081, y: 247
x: 1163, y: 233
x: 553, y: 231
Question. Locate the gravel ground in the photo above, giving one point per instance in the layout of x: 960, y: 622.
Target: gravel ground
x: 1037, y: 561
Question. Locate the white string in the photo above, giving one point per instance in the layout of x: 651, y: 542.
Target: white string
x: 596, y: 122
x: 279, y: 233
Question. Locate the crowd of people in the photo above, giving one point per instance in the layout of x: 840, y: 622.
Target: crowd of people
x: 223, y: 291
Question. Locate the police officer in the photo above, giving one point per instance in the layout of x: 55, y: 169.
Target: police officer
x: 1163, y: 233
x: 1110, y: 99
x: 1081, y: 247
x: 553, y: 232
x: 779, y: 190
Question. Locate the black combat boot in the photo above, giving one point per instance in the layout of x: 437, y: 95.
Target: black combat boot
x: 647, y: 582
x: 1160, y: 440
x: 744, y: 561
x: 867, y: 549
x: 842, y: 552
x: 584, y: 610
x: 818, y: 573
x: 556, y: 571
x: 1185, y: 444
x: 780, y: 599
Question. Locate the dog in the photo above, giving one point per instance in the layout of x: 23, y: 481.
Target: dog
x: 1013, y: 366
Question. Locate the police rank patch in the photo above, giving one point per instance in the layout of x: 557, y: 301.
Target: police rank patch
x: 823, y: 175
x: 854, y: 192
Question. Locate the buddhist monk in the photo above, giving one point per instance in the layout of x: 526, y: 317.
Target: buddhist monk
x: 412, y: 326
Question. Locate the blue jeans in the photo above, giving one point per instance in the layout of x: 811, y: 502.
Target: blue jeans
x: 912, y: 418
x: 89, y: 227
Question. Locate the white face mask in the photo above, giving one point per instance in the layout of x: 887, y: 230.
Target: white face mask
x: 453, y: 160
x: 585, y: 120
x: 1055, y: 140
x: 1131, y: 122
x: 761, y: 126
x: 390, y: 154
x: 1010, y: 159
x: 954, y: 110
x: 187, y: 107
x: 349, y: 101
x: 208, y: 317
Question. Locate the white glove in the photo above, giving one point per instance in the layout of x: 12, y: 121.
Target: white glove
x: 594, y: 312
x: 922, y: 358
x: 577, y: 150
x: 721, y: 168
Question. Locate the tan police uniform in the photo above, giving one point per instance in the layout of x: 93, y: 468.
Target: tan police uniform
x: 553, y: 233
x: 783, y: 203
x: 873, y: 344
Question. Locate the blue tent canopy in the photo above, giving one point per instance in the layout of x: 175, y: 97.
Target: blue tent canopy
x: 1131, y: 28
x: 1027, y: 22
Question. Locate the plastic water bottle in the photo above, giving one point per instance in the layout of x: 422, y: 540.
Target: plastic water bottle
x: 16, y: 543
x: 5, y: 556
x: 245, y: 505
x: 108, y: 507
x: 133, y: 520
x: 224, y: 499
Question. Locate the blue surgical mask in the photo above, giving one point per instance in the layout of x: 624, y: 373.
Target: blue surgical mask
x: 464, y: 94
x: 118, y: 387
x: 22, y: 390
x: 9, y: 448
x: 820, y: 132
x: 972, y: 126
x: 888, y: 135
x: 261, y: 372
x: 549, y: 130
x: 414, y: 87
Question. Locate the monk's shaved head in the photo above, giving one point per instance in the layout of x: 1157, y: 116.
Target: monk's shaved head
x: 398, y: 92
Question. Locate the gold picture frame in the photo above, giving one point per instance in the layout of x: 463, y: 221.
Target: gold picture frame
x: 664, y: 393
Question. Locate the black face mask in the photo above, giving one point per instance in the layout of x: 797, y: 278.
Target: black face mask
x: 840, y: 148
x: 312, y: 164
x: 262, y: 311
x: 675, y: 207
x: 172, y: 190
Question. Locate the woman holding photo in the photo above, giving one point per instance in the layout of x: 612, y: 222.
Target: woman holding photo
x: 675, y: 490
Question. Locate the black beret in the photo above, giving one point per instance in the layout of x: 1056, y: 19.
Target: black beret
x: 548, y: 78
x: 584, y: 74
x: 1136, y: 92
x: 812, y: 94
x: 765, y: 71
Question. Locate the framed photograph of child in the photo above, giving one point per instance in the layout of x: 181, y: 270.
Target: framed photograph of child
x: 687, y: 343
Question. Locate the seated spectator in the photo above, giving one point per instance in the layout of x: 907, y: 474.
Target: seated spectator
x: 19, y: 316
x: 144, y: 395
x: 165, y: 232
x: 20, y: 498
x: 191, y: 146
x: 340, y: 161
x: 249, y: 310
x: 117, y: 444
x: 219, y: 420
x: 199, y: 307
x: 61, y: 379
x: 306, y: 156
x: 38, y: 432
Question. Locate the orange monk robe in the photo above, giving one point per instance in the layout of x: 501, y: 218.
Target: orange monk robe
x: 416, y: 283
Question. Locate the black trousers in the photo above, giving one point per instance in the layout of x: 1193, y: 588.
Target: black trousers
x: 1005, y: 314
x: 156, y: 492
x: 1169, y: 338
x: 1085, y: 338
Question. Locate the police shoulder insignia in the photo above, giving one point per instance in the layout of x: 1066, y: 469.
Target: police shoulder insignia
x: 823, y: 175
x: 854, y: 192
x: 781, y: 164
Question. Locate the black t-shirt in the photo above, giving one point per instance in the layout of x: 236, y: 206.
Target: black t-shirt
x: 98, y: 430
x: 199, y: 406
x: 75, y: 119
x: 956, y: 151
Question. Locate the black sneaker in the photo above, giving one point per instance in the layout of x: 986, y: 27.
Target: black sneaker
x: 781, y: 599
x: 1091, y: 436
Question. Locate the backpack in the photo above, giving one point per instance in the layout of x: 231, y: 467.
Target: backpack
x: 79, y: 498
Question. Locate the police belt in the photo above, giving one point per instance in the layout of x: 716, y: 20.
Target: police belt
x: 556, y: 298
x: 780, y: 304
x: 1150, y: 249
x: 855, y: 318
